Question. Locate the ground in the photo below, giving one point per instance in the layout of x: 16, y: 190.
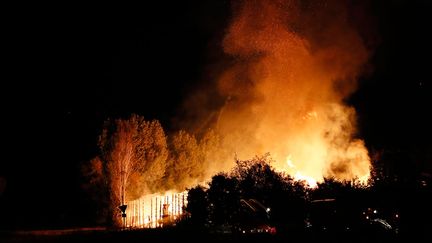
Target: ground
x: 192, y: 235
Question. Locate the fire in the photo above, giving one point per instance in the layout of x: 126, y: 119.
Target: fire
x: 294, y: 65
x: 310, y: 181
x: 156, y: 210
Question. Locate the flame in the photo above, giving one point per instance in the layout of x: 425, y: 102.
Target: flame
x: 293, y: 65
x: 156, y: 210
x: 310, y: 181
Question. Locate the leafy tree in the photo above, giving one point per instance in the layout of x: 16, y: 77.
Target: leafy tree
x: 254, y: 179
x: 186, y: 166
x: 197, y: 205
x: 133, y: 154
x: 224, y: 198
x: 96, y: 184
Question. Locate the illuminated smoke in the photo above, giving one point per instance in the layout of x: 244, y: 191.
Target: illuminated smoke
x: 292, y: 66
x: 293, y: 63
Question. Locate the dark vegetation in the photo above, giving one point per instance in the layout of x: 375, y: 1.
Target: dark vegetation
x: 392, y: 207
x: 242, y: 205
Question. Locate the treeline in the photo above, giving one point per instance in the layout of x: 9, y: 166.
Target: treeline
x: 219, y: 202
x: 136, y: 158
x: 289, y: 201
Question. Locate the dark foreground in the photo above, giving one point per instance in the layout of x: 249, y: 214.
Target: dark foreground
x: 193, y: 235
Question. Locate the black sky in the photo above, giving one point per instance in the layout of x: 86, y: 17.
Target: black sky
x: 67, y: 68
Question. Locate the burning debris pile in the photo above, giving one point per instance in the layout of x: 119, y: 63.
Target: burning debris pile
x: 293, y: 64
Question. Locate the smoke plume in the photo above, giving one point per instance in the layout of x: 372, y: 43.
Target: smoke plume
x: 293, y: 64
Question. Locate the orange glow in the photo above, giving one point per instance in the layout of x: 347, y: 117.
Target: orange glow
x: 156, y: 210
x: 286, y: 90
x: 310, y: 181
x: 292, y: 67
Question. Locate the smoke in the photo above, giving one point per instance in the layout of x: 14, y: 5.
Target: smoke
x: 293, y: 65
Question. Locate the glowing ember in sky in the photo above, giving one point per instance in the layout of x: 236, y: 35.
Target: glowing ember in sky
x: 284, y: 91
x: 293, y: 67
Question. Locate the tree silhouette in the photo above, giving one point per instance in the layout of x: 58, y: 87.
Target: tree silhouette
x: 97, y: 186
x: 197, y: 206
x: 284, y: 197
x: 224, y: 198
x: 277, y: 196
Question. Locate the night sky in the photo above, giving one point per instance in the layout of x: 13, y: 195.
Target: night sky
x: 67, y: 68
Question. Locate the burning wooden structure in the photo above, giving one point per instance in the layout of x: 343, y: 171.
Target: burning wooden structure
x: 156, y: 210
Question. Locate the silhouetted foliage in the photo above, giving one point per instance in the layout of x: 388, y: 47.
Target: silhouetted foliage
x: 97, y: 186
x: 197, y: 205
x: 280, y: 197
x: 224, y: 198
x: 284, y: 197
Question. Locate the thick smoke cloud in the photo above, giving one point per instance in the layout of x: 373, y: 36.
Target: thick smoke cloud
x: 293, y: 64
